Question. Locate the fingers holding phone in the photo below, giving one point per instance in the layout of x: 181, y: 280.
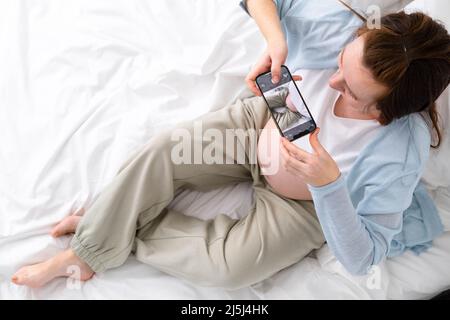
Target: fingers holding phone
x: 261, y: 66
x: 272, y: 60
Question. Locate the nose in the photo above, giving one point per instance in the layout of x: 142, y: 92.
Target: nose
x: 337, y: 81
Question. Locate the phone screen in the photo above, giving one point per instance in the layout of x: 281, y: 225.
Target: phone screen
x: 287, y: 105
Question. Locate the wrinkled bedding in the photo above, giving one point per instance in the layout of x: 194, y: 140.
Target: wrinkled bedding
x: 83, y: 84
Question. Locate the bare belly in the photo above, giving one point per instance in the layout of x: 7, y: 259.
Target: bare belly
x: 269, y: 159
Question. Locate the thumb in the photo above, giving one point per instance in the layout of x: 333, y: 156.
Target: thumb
x: 276, y: 71
x: 314, y: 141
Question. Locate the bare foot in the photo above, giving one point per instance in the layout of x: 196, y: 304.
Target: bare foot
x: 61, y: 265
x: 67, y: 225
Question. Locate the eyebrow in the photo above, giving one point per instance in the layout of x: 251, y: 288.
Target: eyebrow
x: 342, y: 63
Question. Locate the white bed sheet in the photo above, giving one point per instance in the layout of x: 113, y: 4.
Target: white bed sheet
x: 85, y: 83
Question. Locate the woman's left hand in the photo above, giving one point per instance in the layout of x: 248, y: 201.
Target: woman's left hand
x: 317, y: 169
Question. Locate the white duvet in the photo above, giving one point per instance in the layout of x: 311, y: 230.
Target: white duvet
x: 85, y: 83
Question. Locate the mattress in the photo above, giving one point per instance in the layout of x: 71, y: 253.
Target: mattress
x: 84, y: 84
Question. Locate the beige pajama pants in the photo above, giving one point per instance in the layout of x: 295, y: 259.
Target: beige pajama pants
x: 131, y: 214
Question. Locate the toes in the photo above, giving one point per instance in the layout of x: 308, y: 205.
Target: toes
x: 34, y: 276
x: 67, y: 225
x: 15, y: 279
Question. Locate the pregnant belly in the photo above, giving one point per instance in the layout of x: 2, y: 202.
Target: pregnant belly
x: 269, y: 159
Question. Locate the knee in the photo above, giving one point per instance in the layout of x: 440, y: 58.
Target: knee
x: 158, y: 148
x: 153, y: 149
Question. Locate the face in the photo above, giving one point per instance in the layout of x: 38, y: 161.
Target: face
x: 354, y: 81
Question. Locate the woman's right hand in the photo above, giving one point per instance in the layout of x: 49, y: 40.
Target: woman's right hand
x: 272, y: 59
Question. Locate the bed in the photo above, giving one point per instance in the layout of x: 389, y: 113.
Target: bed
x: 84, y: 84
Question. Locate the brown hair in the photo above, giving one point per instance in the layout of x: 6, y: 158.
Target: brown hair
x: 409, y: 54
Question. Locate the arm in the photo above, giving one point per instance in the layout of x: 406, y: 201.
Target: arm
x: 313, y: 35
x: 360, y: 231
x: 357, y: 240
x: 265, y: 14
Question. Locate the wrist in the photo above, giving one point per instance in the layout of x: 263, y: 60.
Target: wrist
x: 327, y: 182
x: 276, y: 42
x: 329, y: 187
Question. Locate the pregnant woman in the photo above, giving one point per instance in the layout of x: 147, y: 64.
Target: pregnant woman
x: 355, y: 185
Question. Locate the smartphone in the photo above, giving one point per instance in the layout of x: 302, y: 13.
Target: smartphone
x: 286, y: 105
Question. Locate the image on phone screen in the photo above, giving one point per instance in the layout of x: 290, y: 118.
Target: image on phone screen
x: 287, y: 105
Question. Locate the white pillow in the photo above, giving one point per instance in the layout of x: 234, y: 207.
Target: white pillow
x: 437, y: 173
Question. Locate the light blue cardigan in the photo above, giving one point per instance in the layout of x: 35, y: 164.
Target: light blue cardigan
x: 380, y: 209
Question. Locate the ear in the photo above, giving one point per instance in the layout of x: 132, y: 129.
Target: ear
x: 374, y: 111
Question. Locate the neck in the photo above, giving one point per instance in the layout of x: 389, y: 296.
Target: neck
x: 342, y: 111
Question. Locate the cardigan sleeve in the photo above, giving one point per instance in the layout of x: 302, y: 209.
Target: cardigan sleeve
x: 358, y: 240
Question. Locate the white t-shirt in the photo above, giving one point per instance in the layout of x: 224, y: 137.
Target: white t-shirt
x: 343, y: 138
